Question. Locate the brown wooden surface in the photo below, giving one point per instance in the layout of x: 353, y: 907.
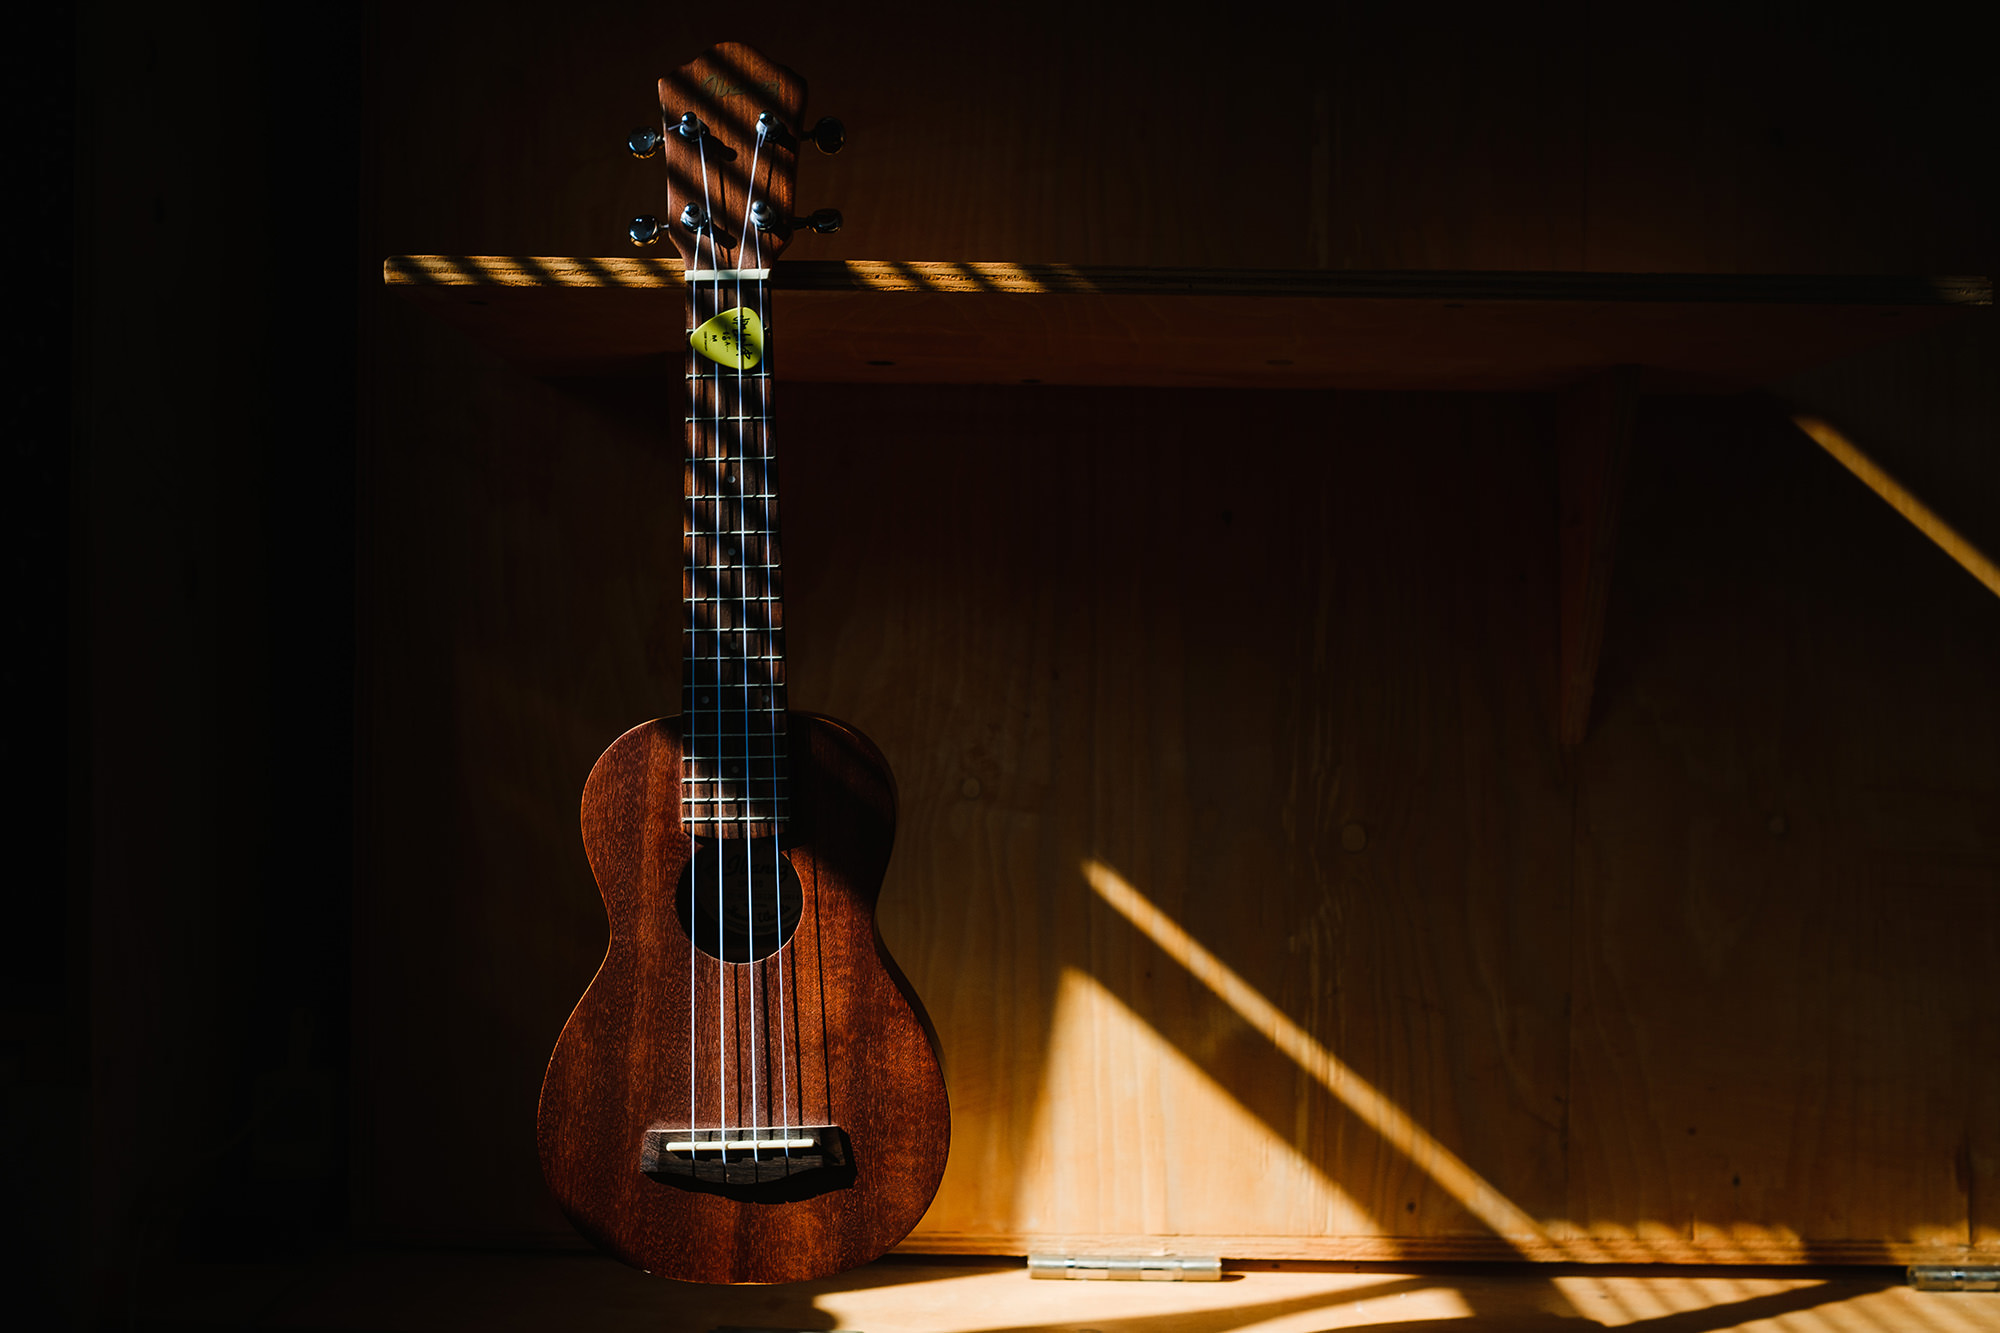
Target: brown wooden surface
x: 483, y: 1292
x: 1004, y: 323
x: 861, y: 1051
x: 1545, y: 977
x: 1462, y: 138
x: 1594, y: 423
x: 728, y: 87
x: 1201, y: 667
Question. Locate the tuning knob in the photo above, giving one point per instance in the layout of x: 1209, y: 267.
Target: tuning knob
x: 644, y: 230
x: 829, y: 135
x: 825, y: 221
x: 694, y: 219
x: 644, y: 141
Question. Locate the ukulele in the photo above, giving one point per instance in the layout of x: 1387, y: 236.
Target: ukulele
x: 749, y: 1091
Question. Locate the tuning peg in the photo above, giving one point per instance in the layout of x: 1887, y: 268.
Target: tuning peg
x: 766, y: 218
x: 644, y: 141
x: 694, y: 219
x: 829, y: 135
x: 644, y: 230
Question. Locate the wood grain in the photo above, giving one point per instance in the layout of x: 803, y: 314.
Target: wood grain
x: 1004, y: 323
x: 728, y: 88
x: 1556, y: 979
x: 1365, y: 139
x: 474, y: 1292
x: 1593, y: 443
x: 1201, y: 670
x: 1786, y: 862
x: 861, y: 1052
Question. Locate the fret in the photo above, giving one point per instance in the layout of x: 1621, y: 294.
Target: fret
x: 735, y: 749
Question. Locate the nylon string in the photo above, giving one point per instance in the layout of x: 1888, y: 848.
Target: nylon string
x: 751, y: 239
x: 743, y: 591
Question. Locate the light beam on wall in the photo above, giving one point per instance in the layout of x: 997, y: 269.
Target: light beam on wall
x: 1359, y: 1096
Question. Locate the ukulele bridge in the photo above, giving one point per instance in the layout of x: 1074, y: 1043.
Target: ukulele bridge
x: 749, y: 1156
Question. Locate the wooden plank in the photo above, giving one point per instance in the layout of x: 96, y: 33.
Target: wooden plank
x: 1296, y: 693
x: 1787, y: 855
x: 451, y: 1291
x: 1017, y: 279
x: 1593, y: 441
x: 1205, y: 673
x: 999, y: 323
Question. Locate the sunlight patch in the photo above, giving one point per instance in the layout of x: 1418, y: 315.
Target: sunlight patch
x: 1130, y: 1137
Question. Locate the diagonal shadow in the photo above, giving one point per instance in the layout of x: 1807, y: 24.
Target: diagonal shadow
x: 1240, y: 1316
x: 1710, y: 1319
x: 1715, y: 1318
x: 1163, y: 941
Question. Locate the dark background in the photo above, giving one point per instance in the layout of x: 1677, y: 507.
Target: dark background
x: 200, y: 232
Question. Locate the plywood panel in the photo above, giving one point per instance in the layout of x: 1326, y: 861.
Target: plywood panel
x: 895, y: 322
x: 1787, y: 848
x: 518, y: 609
x: 1204, y: 649
x: 1283, y: 664
x: 1313, y: 136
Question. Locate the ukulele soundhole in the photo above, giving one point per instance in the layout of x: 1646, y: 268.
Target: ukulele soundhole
x: 740, y: 899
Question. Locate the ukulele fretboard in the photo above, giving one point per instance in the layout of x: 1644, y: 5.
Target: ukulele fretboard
x: 734, y: 778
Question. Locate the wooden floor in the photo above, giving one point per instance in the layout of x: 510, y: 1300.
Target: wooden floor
x: 496, y: 1292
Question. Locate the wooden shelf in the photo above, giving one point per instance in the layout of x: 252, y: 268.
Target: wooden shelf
x: 995, y: 323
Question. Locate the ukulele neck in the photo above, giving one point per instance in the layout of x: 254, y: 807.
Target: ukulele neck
x: 735, y: 778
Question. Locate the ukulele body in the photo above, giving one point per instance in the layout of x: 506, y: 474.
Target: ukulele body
x: 669, y: 1042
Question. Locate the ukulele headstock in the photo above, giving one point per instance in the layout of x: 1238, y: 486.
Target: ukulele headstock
x: 730, y: 132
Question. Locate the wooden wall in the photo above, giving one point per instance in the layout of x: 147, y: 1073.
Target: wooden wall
x: 1708, y: 987
x: 1600, y: 980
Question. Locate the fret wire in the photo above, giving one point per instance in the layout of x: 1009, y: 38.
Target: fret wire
x: 728, y: 469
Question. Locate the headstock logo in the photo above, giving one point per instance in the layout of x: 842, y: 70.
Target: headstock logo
x: 717, y: 86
